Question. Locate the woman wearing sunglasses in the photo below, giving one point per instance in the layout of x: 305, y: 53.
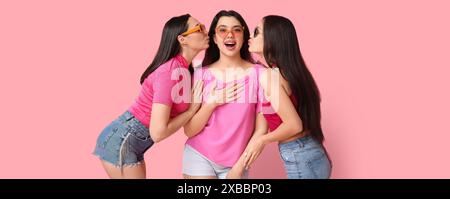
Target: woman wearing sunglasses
x: 292, y: 109
x: 219, y: 132
x: 160, y: 109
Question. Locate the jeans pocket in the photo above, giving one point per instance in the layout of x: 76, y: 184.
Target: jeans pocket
x: 315, y: 154
x: 140, y: 135
x: 323, y: 168
x: 292, y: 167
x: 139, y: 144
x: 288, y: 156
x: 320, y: 166
x: 317, y: 161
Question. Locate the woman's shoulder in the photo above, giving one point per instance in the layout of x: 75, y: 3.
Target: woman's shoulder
x: 271, y: 75
x: 167, y: 66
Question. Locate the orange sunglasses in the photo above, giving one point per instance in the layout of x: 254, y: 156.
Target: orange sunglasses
x: 197, y: 28
x: 223, y: 31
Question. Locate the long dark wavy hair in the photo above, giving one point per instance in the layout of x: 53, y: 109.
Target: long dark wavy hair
x: 212, y: 54
x: 281, y: 49
x: 169, y: 46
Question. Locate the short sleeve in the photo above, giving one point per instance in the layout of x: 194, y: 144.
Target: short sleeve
x: 162, y: 89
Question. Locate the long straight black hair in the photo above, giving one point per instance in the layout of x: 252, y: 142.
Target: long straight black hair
x: 212, y: 54
x: 169, y: 46
x: 281, y: 49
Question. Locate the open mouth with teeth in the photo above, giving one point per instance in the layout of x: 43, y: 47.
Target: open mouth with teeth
x: 230, y: 45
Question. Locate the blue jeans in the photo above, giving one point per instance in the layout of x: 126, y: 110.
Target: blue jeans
x: 124, y: 141
x: 305, y: 158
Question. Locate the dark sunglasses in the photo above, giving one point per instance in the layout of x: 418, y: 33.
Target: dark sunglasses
x: 256, y: 32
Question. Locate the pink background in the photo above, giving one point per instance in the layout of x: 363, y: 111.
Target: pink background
x: 67, y: 68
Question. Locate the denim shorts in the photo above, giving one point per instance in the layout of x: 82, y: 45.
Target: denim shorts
x: 124, y: 141
x: 305, y: 158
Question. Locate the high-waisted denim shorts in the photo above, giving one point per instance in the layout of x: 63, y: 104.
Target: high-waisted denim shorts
x: 124, y: 141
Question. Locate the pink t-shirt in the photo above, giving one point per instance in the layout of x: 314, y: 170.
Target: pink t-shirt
x: 157, y: 88
x: 231, y: 125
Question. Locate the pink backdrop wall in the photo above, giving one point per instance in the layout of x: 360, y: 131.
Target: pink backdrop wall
x: 67, y: 68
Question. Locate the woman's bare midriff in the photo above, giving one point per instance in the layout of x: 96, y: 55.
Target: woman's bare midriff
x: 296, y: 136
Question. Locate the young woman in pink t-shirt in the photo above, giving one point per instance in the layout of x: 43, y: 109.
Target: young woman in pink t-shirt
x: 163, y: 105
x: 219, y: 132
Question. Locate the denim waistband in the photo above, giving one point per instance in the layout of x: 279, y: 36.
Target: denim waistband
x: 300, y: 142
x: 128, y: 119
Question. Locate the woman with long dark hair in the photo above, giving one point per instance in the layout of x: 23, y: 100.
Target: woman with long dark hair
x: 219, y: 132
x: 164, y: 105
x: 292, y: 103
